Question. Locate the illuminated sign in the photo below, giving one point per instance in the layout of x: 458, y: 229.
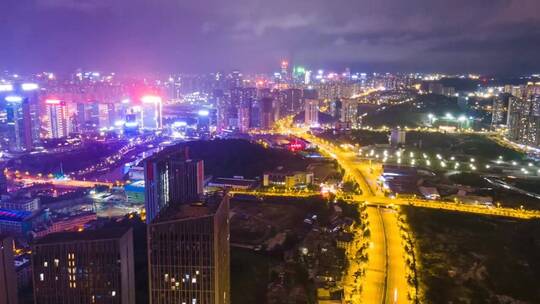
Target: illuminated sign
x: 29, y: 86
x: 151, y: 99
x: 6, y: 87
x: 52, y: 101
x: 13, y: 98
x: 203, y: 113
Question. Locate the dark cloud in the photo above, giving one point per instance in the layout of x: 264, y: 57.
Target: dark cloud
x: 253, y: 35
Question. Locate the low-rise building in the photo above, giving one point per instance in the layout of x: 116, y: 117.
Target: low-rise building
x: 287, y: 179
x: 234, y: 183
x: 16, y: 222
x: 135, y: 192
x: 67, y: 223
x: 19, y: 203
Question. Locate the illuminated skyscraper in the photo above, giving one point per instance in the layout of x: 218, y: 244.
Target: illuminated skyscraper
x: 8, y: 278
x: 349, y: 113
x: 20, y: 122
x: 171, y: 178
x: 524, y: 117
x: 244, y: 115
x: 291, y: 102
x: 335, y: 108
x: 104, y: 120
x: 222, y: 106
x: 499, y: 110
x: 21, y: 104
x: 188, y: 253
x: 151, y: 112
x: 267, y: 113
x: 56, y: 116
x: 84, y: 267
x: 311, y: 112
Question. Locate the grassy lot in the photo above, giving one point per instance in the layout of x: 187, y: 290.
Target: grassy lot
x: 230, y: 157
x: 467, y: 258
x: 249, y: 276
x: 463, y: 144
x: 413, y: 114
x: 446, y: 144
x: 256, y: 221
x: 507, y: 198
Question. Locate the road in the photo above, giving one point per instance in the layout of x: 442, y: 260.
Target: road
x: 386, y: 275
x: 374, y: 288
x: 396, y: 286
x: 63, y: 182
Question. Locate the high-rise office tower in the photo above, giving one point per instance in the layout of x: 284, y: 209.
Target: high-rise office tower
x: 188, y: 253
x: 8, y: 277
x: 291, y: 102
x: 56, y: 116
x: 3, y: 180
x: 244, y: 117
x: 499, y: 110
x: 22, y: 109
x: 84, y: 267
x: 222, y: 103
x: 171, y: 178
x: 335, y: 108
x: 349, y: 113
x: 151, y: 112
x: 524, y: 117
x: 267, y: 113
x: 311, y: 112
x: 234, y: 79
x: 20, y: 122
x: 285, y: 72
x: 103, y: 115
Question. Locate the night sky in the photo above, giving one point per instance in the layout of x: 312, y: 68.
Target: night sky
x: 151, y: 36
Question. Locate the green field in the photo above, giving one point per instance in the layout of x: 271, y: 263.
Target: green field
x: 249, y: 276
x: 467, y: 258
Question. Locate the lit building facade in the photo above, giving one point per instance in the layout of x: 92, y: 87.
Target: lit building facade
x: 499, y: 110
x: 56, y: 118
x: 267, y: 113
x: 84, y: 267
x: 311, y: 112
x: 151, y: 113
x: 171, y: 178
x: 188, y: 253
x: 8, y: 277
x: 524, y: 117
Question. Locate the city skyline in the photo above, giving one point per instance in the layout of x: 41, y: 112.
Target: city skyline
x: 143, y: 38
x: 248, y: 151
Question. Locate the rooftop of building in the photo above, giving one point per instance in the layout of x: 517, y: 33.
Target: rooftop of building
x: 285, y: 173
x: 233, y: 181
x: 87, y: 235
x: 4, y: 236
x: 14, y: 215
x: 206, y: 207
x: 179, y: 151
x: 137, y: 186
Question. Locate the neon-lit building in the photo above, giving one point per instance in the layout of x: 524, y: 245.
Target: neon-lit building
x: 171, y: 178
x: 21, y: 105
x: 56, y: 118
x: 19, y: 115
x: 311, y: 112
x: 15, y: 222
x: 151, y: 112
